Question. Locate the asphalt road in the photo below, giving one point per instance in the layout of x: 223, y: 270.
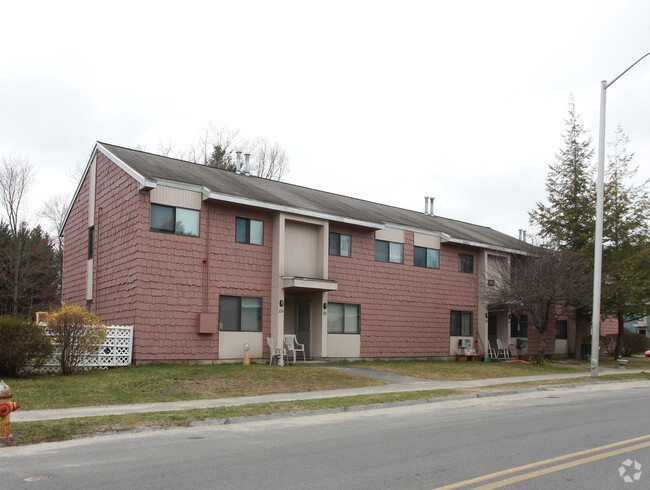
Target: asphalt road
x: 420, y: 446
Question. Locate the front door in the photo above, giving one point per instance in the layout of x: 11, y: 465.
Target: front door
x: 303, y: 327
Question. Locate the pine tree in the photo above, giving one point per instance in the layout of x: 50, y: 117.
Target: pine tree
x: 626, y: 247
x: 567, y: 222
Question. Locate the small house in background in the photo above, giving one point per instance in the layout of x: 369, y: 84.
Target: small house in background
x: 202, y: 261
x: 638, y: 326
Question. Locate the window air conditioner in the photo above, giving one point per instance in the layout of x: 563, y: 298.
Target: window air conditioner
x: 466, y: 343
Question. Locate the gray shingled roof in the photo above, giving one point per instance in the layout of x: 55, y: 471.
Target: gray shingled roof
x: 155, y: 167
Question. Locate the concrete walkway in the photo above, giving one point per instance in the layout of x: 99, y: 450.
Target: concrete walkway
x: 396, y: 383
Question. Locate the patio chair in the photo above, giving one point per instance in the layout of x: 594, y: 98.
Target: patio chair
x: 293, y: 346
x: 501, y: 350
x: 491, y: 351
x: 276, y: 351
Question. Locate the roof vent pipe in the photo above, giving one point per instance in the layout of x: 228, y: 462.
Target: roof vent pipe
x: 431, y: 210
x: 247, y: 156
x: 238, y: 164
x: 426, y: 204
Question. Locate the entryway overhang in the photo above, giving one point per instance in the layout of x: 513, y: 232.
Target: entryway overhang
x: 293, y: 285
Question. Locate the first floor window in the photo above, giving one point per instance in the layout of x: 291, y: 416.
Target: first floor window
x: 519, y: 326
x: 389, y: 252
x: 249, y: 231
x: 240, y: 314
x: 170, y: 219
x: 426, y: 257
x: 466, y: 263
x: 339, y: 244
x: 91, y: 242
x: 561, y: 329
x: 461, y: 324
x: 343, y: 318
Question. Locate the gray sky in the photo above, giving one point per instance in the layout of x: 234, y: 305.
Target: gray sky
x: 385, y: 101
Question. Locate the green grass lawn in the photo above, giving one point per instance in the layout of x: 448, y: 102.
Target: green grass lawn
x: 143, y: 384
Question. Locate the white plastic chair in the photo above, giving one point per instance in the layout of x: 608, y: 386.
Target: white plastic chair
x: 501, y: 350
x: 491, y: 352
x: 293, y: 346
x: 276, y: 351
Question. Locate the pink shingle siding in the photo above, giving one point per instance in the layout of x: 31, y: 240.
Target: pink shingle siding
x: 159, y: 282
x: 405, y: 310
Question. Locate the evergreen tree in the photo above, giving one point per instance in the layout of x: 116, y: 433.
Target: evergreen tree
x: 626, y: 247
x: 568, y: 220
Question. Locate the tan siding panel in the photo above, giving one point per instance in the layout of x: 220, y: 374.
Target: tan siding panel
x: 343, y: 345
x: 231, y: 344
x: 172, y: 196
x: 426, y: 241
x: 390, y: 235
x: 301, y: 250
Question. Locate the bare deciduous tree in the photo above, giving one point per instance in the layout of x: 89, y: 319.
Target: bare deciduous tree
x: 16, y: 177
x: 545, y: 284
x: 54, y: 212
x: 216, y: 146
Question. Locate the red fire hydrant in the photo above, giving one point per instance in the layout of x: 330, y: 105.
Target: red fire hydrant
x: 6, y: 407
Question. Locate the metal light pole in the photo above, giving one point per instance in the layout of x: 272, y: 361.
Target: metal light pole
x: 598, y: 248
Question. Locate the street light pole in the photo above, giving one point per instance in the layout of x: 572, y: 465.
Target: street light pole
x: 598, y: 247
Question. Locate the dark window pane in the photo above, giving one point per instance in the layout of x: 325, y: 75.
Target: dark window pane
x: 335, y: 244
x: 91, y: 242
x: 420, y: 256
x: 162, y: 218
x: 381, y: 250
x: 466, y: 263
x: 461, y: 324
x: 229, y: 307
x: 241, y: 231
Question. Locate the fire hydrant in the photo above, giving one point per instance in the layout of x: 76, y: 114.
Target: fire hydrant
x: 6, y: 407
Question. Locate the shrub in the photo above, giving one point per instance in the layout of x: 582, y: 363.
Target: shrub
x: 77, y: 332
x: 23, y: 345
x: 631, y: 344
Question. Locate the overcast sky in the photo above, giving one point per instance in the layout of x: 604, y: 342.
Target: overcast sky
x: 385, y: 101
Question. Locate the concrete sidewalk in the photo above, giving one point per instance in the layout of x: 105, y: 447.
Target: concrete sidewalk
x: 397, y: 383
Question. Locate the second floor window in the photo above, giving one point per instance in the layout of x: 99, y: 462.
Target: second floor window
x: 249, y: 231
x: 426, y: 257
x: 389, y: 252
x: 339, y: 244
x: 170, y: 219
x: 466, y: 263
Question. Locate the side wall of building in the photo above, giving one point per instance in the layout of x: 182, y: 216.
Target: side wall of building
x: 117, y: 220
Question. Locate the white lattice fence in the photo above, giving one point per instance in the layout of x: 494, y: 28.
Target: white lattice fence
x: 117, y: 350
